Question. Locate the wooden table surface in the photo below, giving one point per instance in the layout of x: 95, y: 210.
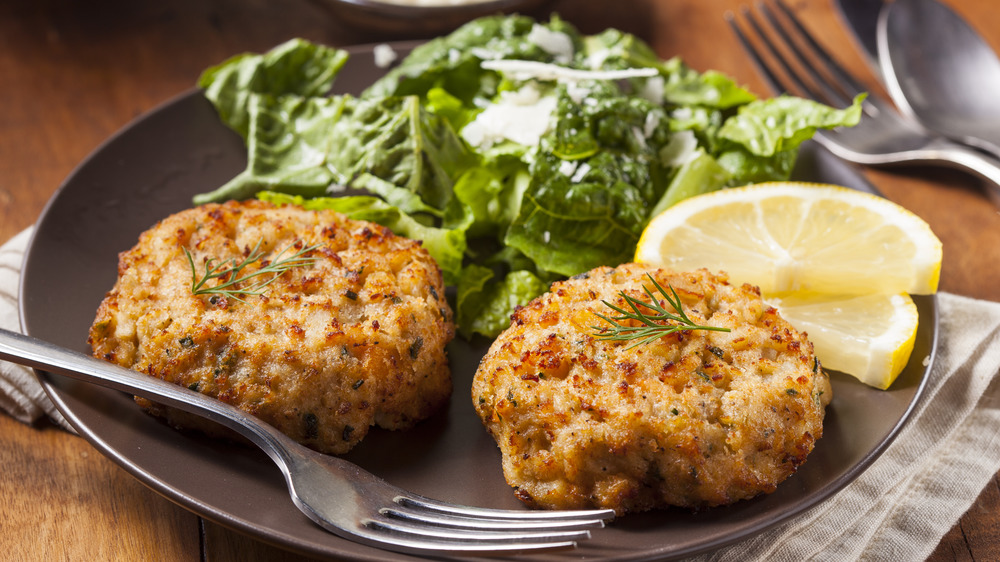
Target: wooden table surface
x: 73, y: 73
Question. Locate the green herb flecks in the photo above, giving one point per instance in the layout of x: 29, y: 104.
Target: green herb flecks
x: 652, y: 326
x: 231, y: 275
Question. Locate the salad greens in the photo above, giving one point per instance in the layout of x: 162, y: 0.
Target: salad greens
x: 518, y: 151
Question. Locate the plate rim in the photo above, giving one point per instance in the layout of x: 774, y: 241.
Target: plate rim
x: 283, y: 540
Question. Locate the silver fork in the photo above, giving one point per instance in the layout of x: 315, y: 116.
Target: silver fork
x: 883, y: 137
x: 338, y: 495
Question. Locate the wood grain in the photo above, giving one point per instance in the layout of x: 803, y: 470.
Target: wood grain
x: 62, y: 500
x: 74, y: 73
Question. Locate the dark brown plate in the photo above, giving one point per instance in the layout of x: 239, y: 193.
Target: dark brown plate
x: 153, y: 167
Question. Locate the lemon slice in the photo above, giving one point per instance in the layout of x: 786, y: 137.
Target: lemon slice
x: 791, y: 236
x: 867, y: 336
x: 838, y: 264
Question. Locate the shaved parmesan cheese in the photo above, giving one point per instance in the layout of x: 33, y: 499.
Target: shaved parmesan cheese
x: 652, y: 89
x: 526, y: 70
x: 582, y: 170
x: 577, y: 93
x: 681, y: 148
x: 555, y: 43
x: 652, y: 122
x: 384, y: 55
x: 521, y: 116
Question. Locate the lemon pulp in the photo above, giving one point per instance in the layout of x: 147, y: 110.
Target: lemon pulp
x: 838, y: 263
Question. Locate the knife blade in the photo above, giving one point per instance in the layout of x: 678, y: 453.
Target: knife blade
x: 861, y: 17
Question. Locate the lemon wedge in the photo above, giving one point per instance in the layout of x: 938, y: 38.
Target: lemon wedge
x: 791, y: 236
x: 839, y: 264
x: 868, y: 336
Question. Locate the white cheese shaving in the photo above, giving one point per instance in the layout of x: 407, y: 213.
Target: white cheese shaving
x: 681, y: 148
x: 577, y: 92
x: 640, y: 138
x: 596, y: 59
x: 522, y: 116
x: 652, y: 89
x: 581, y: 171
x: 384, y: 55
x: 482, y: 52
x: 526, y: 69
x: 652, y: 122
x: 567, y: 167
x: 555, y: 43
x: 683, y: 113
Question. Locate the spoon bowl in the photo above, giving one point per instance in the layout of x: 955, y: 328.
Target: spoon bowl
x: 940, y: 71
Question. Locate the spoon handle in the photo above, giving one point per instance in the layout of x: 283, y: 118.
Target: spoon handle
x: 983, y: 165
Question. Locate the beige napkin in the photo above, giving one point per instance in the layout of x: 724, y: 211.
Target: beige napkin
x: 21, y: 394
x: 898, y: 509
x: 915, y: 492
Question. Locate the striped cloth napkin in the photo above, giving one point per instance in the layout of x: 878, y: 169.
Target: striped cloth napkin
x: 898, y: 509
x: 21, y: 395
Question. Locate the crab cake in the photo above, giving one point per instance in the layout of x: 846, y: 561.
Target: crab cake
x: 694, y: 419
x: 353, y: 337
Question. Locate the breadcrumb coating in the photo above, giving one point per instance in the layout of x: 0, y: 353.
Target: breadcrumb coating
x: 694, y: 419
x: 353, y: 339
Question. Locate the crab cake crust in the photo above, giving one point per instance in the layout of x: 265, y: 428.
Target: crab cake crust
x: 354, y: 339
x: 694, y: 419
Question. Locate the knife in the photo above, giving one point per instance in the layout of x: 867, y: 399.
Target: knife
x: 861, y: 17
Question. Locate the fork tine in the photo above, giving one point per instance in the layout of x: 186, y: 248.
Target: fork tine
x: 427, y: 524
x: 388, y: 536
x: 491, y: 523
x: 540, y: 517
x: 798, y: 82
x: 500, y: 536
x: 772, y: 79
x: 418, y: 537
x: 847, y: 84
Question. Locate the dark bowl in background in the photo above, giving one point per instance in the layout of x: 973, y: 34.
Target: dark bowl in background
x: 412, y: 21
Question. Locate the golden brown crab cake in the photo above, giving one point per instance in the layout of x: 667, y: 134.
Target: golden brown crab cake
x: 695, y: 418
x: 353, y: 338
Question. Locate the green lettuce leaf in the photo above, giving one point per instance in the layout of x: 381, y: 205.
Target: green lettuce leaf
x: 447, y: 247
x: 767, y: 127
x: 389, y: 146
x: 485, y: 305
x: 294, y: 67
x: 685, y: 86
x: 700, y: 174
x: 452, y: 62
x: 288, y: 148
x: 504, y: 220
x: 568, y: 227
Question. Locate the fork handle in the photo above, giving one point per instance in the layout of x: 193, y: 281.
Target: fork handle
x: 33, y: 352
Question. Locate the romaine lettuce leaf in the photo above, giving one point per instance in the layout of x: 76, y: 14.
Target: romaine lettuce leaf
x: 569, y: 226
x: 685, y: 86
x: 447, y: 247
x: 507, y: 218
x: 295, y: 67
x: 390, y: 146
x: 288, y: 148
x: 701, y: 173
x: 767, y: 127
x: 484, y: 305
x: 452, y: 62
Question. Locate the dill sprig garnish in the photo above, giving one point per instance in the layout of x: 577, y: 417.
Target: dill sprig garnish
x: 230, y: 272
x: 652, y: 326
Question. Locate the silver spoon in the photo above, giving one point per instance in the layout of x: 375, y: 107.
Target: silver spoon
x: 940, y: 71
